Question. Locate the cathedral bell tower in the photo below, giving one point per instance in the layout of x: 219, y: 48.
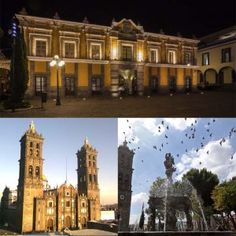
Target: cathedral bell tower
x: 87, y: 173
x: 30, y: 183
x: 125, y: 170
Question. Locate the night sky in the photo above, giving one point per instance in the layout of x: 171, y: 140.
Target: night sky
x: 188, y: 17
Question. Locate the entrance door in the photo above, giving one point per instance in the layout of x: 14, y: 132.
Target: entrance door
x: 50, y: 225
x: 69, y: 86
x: 172, y: 84
x: 96, y: 85
x: 68, y: 222
x: 154, y: 84
x: 40, y: 84
x: 188, y: 84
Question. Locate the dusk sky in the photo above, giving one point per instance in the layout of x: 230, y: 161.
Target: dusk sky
x: 204, y: 149
x: 187, y: 17
x: 62, y: 139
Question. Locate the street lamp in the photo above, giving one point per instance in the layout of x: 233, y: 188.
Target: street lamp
x: 56, y: 61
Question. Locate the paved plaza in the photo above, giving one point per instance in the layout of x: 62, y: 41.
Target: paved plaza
x: 217, y: 103
x: 92, y: 232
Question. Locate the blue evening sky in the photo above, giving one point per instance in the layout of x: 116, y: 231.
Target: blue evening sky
x: 204, y: 149
x: 63, y: 138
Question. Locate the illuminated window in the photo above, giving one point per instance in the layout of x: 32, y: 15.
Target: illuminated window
x: 96, y: 51
x: 69, y: 50
x: 187, y: 58
x: 30, y: 170
x: 127, y: 53
x: 172, y: 57
x: 153, y: 56
x: 205, y: 59
x: 41, y: 48
x: 226, y: 55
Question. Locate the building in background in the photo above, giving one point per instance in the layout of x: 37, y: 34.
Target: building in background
x: 125, y: 171
x: 117, y: 59
x: 217, y: 58
x: 40, y: 208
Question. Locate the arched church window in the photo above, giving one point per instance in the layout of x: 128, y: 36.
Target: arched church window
x: 37, y: 171
x: 37, y: 145
x: 31, y: 144
x: 30, y: 170
x: 31, y: 152
x: 37, y: 153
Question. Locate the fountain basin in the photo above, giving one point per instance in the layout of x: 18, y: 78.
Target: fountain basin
x: 185, y: 233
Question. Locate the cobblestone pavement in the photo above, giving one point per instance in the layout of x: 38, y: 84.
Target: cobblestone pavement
x: 92, y: 232
x: 219, y: 103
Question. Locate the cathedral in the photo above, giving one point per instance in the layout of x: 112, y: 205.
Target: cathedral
x: 40, y: 208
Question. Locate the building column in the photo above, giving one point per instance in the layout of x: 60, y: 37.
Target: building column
x: 114, y: 80
x: 140, y: 79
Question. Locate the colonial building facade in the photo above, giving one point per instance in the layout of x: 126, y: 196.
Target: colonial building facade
x: 125, y: 171
x: 217, y: 58
x: 117, y: 59
x: 40, y: 208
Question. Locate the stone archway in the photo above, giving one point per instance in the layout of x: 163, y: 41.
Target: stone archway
x: 210, y: 77
x: 68, y: 222
x: 227, y: 75
x: 50, y: 225
x: 128, y: 82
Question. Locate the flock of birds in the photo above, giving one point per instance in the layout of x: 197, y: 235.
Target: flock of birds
x: 191, y: 134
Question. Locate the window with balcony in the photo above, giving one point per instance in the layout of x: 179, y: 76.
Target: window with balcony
x: 205, y: 59
x: 127, y: 53
x: 96, y: 51
x: 69, y: 50
x: 153, y: 56
x: 172, y: 57
x: 187, y: 58
x: 41, y: 48
x: 225, y: 55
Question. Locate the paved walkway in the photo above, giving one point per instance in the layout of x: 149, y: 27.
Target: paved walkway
x: 91, y: 232
x: 219, y: 103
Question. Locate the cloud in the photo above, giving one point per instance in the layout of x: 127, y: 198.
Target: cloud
x: 139, y: 198
x: 213, y: 157
x: 180, y: 123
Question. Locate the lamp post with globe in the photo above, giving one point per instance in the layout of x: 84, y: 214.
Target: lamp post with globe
x: 56, y: 61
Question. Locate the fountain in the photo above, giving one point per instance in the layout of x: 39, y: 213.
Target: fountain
x: 172, y: 204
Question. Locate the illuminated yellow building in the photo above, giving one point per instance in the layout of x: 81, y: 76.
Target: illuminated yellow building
x: 217, y: 58
x: 117, y: 59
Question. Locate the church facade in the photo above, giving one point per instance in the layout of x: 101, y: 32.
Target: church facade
x: 117, y: 59
x: 40, y: 208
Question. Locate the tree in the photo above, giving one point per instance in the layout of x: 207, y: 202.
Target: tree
x: 204, y: 182
x: 19, y: 72
x: 224, y: 196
